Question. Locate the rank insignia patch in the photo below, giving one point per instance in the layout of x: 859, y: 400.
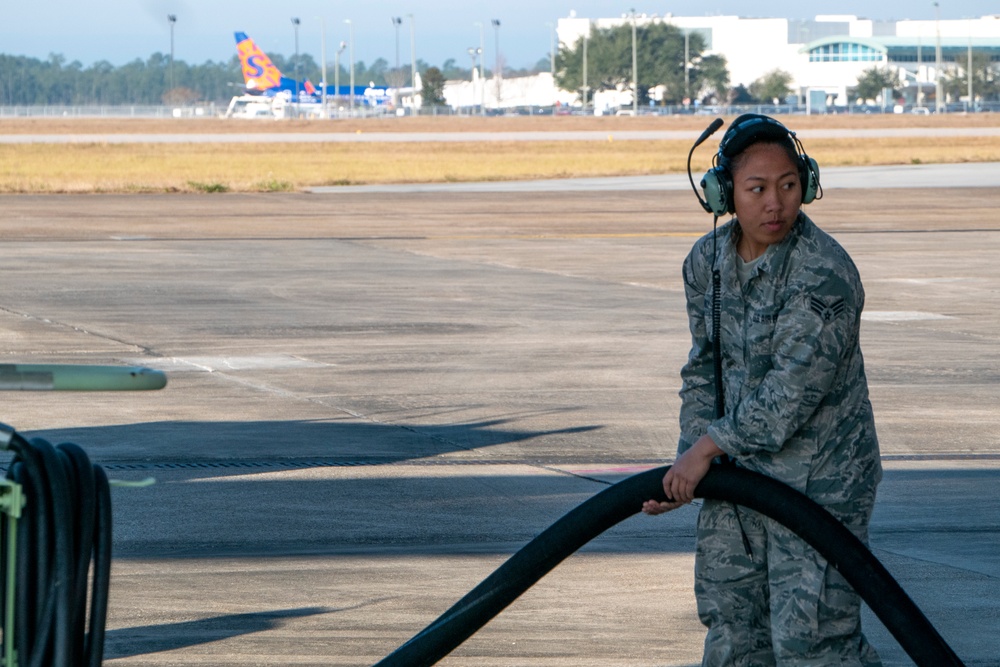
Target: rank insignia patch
x: 827, y: 311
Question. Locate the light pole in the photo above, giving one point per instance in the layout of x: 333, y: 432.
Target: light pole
x: 413, y: 60
x: 937, y: 60
x: 396, y: 22
x: 336, y: 74
x: 295, y: 26
x: 351, y: 58
x: 172, y: 19
x: 482, y: 67
x: 496, y: 31
x: 971, y: 106
x: 552, y: 48
x: 397, y: 76
x: 474, y: 51
x: 687, y: 59
x: 322, y: 57
x: 635, y: 71
x: 586, y: 90
x: 917, y: 79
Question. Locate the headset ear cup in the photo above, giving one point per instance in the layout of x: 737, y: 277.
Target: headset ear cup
x: 810, y: 179
x: 716, y: 186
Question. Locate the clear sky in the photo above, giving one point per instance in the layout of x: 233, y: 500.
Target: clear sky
x: 120, y: 31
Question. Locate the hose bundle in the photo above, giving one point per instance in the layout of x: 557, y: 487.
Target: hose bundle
x: 63, y: 549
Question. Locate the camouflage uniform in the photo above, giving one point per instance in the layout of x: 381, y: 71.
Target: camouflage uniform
x: 797, y: 409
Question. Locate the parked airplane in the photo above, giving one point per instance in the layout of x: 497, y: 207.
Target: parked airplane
x: 262, y: 77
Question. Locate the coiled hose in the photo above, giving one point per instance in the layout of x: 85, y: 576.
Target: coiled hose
x: 63, y: 539
x: 812, y: 523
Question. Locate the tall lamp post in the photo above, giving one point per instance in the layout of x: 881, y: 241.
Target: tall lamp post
x: 336, y: 74
x: 586, y: 90
x: 635, y: 71
x: 497, y: 74
x: 687, y: 61
x: 351, y: 58
x: 322, y: 57
x: 482, y: 66
x: 172, y: 19
x: 938, y: 92
x: 474, y: 52
x: 397, y: 78
x: 972, y: 106
x: 920, y: 68
x: 295, y: 27
x: 413, y: 59
x: 552, y: 48
x: 482, y: 48
x: 396, y: 22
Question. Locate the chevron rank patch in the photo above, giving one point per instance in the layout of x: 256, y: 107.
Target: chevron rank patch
x: 827, y: 310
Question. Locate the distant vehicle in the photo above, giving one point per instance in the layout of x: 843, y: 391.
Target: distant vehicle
x: 261, y: 77
x: 920, y: 111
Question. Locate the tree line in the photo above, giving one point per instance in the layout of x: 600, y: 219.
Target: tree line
x: 31, y: 81
x: 660, y: 56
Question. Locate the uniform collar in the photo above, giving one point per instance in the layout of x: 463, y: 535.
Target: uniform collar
x: 773, y: 258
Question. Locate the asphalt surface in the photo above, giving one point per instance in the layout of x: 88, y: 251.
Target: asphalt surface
x: 375, y: 398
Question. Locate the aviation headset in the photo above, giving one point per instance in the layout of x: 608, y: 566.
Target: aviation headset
x: 748, y: 129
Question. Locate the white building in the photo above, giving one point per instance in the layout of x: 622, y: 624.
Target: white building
x: 538, y: 90
x: 827, y: 53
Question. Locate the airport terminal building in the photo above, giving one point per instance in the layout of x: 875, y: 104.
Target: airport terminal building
x: 825, y: 55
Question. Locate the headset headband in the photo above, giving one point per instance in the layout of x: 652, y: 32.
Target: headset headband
x: 750, y: 128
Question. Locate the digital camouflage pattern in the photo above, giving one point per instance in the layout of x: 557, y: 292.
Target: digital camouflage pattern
x: 797, y: 410
x: 785, y: 605
x: 797, y: 405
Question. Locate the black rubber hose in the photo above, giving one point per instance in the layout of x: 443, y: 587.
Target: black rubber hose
x: 63, y: 531
x: 815, y: 525
x: 94, y: 645
x: 82, y: 522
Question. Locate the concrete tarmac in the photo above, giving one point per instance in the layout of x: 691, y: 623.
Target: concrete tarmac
x: 375, y: 398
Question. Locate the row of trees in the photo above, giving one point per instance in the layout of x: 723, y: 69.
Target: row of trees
x: 954, y: 83
x: 30, y: 81
x: 660, y: 55
x: 659, y: 49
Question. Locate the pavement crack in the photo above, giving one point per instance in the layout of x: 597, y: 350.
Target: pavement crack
x: 142, y: 349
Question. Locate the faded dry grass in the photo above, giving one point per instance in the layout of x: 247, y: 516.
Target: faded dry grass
x: 264, y: 167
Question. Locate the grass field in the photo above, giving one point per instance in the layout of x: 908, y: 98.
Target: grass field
x: 98, y: 165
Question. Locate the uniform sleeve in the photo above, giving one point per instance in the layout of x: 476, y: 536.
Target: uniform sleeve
x: 697, y: 376
x: 814, y: 329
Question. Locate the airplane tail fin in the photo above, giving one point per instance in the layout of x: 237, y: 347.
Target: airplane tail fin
x: 259, y: 73
x: 309, y: 87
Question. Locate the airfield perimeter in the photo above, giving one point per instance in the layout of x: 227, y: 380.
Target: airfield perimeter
x: 376, y: 397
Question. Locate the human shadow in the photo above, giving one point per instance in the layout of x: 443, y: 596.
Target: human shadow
x: 146, y: 639
x: 207, y: 444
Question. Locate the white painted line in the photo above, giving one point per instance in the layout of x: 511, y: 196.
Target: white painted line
x: 901, y: 316
x: 212, y: 364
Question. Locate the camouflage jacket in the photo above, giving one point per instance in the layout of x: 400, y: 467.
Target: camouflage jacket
x: 796, y: 397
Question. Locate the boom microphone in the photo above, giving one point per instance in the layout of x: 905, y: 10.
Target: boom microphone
x: 709, y: 131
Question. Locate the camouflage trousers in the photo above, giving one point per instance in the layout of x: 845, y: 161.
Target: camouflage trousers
x: 785, y: 607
